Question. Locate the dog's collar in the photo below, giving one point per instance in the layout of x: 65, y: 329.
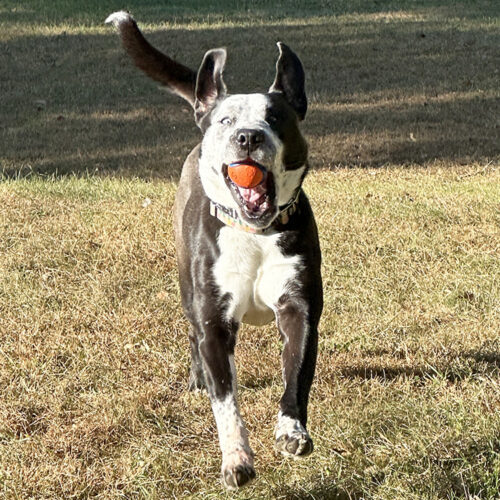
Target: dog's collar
x: 230, y: 217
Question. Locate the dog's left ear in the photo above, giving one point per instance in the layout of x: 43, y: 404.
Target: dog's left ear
x: 290, y: 79
x: 209, y: 83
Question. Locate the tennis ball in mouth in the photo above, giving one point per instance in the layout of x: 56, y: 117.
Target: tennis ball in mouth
x: 244, y: 175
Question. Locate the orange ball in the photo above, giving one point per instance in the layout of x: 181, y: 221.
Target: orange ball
x: 246, y: 176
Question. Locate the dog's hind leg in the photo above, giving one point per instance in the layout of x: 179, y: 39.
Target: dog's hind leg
x: 196, y: 376
x: 298, y: 327
x: 216, y: 353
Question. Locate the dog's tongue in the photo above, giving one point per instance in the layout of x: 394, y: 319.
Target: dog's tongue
x: 252, y: 195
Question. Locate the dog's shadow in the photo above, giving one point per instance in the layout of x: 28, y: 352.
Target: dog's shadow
x: 325, y: 490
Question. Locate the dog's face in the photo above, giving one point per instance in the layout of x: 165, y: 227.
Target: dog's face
x: 255, y: 129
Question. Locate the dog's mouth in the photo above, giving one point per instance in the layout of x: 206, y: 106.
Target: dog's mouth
x: 257, y: 203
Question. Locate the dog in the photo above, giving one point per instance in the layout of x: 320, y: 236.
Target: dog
x: 246, y: 239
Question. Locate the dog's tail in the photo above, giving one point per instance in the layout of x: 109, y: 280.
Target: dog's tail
x: 178, y: 78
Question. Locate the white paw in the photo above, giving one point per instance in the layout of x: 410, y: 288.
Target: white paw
x: 237, y: 468
x: 292, y: 439
x: 296, y: 445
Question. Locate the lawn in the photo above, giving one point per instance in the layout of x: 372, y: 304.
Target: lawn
x: 403, y: 128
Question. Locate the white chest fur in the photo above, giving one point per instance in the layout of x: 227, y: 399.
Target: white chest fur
x: 252, y: 268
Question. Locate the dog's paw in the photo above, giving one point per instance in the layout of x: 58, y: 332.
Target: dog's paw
x: 237, y: 477
x: 292, y: 439
x: 296, y: 444
x: 237, y: 469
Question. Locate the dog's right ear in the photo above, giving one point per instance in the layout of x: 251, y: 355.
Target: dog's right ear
x: 210, y: 86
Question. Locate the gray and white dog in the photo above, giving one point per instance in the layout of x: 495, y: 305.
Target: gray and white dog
x: 245, y: 254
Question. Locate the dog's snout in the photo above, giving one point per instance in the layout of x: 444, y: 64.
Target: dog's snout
x: 249, y: 139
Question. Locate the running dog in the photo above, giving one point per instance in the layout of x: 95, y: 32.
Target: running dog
x: 246, y: 239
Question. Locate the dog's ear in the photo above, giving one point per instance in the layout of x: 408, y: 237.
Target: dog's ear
x: 210, y: 85
x: 290, y: 79
x: 158, y: 66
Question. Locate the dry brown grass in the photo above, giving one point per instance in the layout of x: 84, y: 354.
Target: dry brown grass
x: 95, y: 355
x: 93, y: 346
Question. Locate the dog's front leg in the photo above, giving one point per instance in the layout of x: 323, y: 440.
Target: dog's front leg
x: 216, y: 348
x: 297, y: 322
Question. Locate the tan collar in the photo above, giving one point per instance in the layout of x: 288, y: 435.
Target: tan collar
x: 230, y: 217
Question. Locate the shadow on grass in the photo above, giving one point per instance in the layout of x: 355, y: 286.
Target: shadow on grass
x: 326, y: 490
x: 457, y: 368
x: 251, y: 382
x: 485, y: 357
x: 396, y: 92
x: 199, y: 11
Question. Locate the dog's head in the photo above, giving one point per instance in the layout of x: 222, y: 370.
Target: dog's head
x: 260, y: 130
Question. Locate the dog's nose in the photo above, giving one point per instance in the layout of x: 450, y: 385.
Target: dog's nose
x: 249, y: 139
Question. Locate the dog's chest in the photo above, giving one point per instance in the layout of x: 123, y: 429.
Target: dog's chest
x: 254, y: 271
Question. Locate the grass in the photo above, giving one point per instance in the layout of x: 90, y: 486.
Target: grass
x: 93, y: 347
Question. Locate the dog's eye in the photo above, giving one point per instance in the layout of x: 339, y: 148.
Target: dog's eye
x: 226, y: 121
x: 271, y: 119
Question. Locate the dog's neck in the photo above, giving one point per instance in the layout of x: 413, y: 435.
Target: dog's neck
x: 230, y: 217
